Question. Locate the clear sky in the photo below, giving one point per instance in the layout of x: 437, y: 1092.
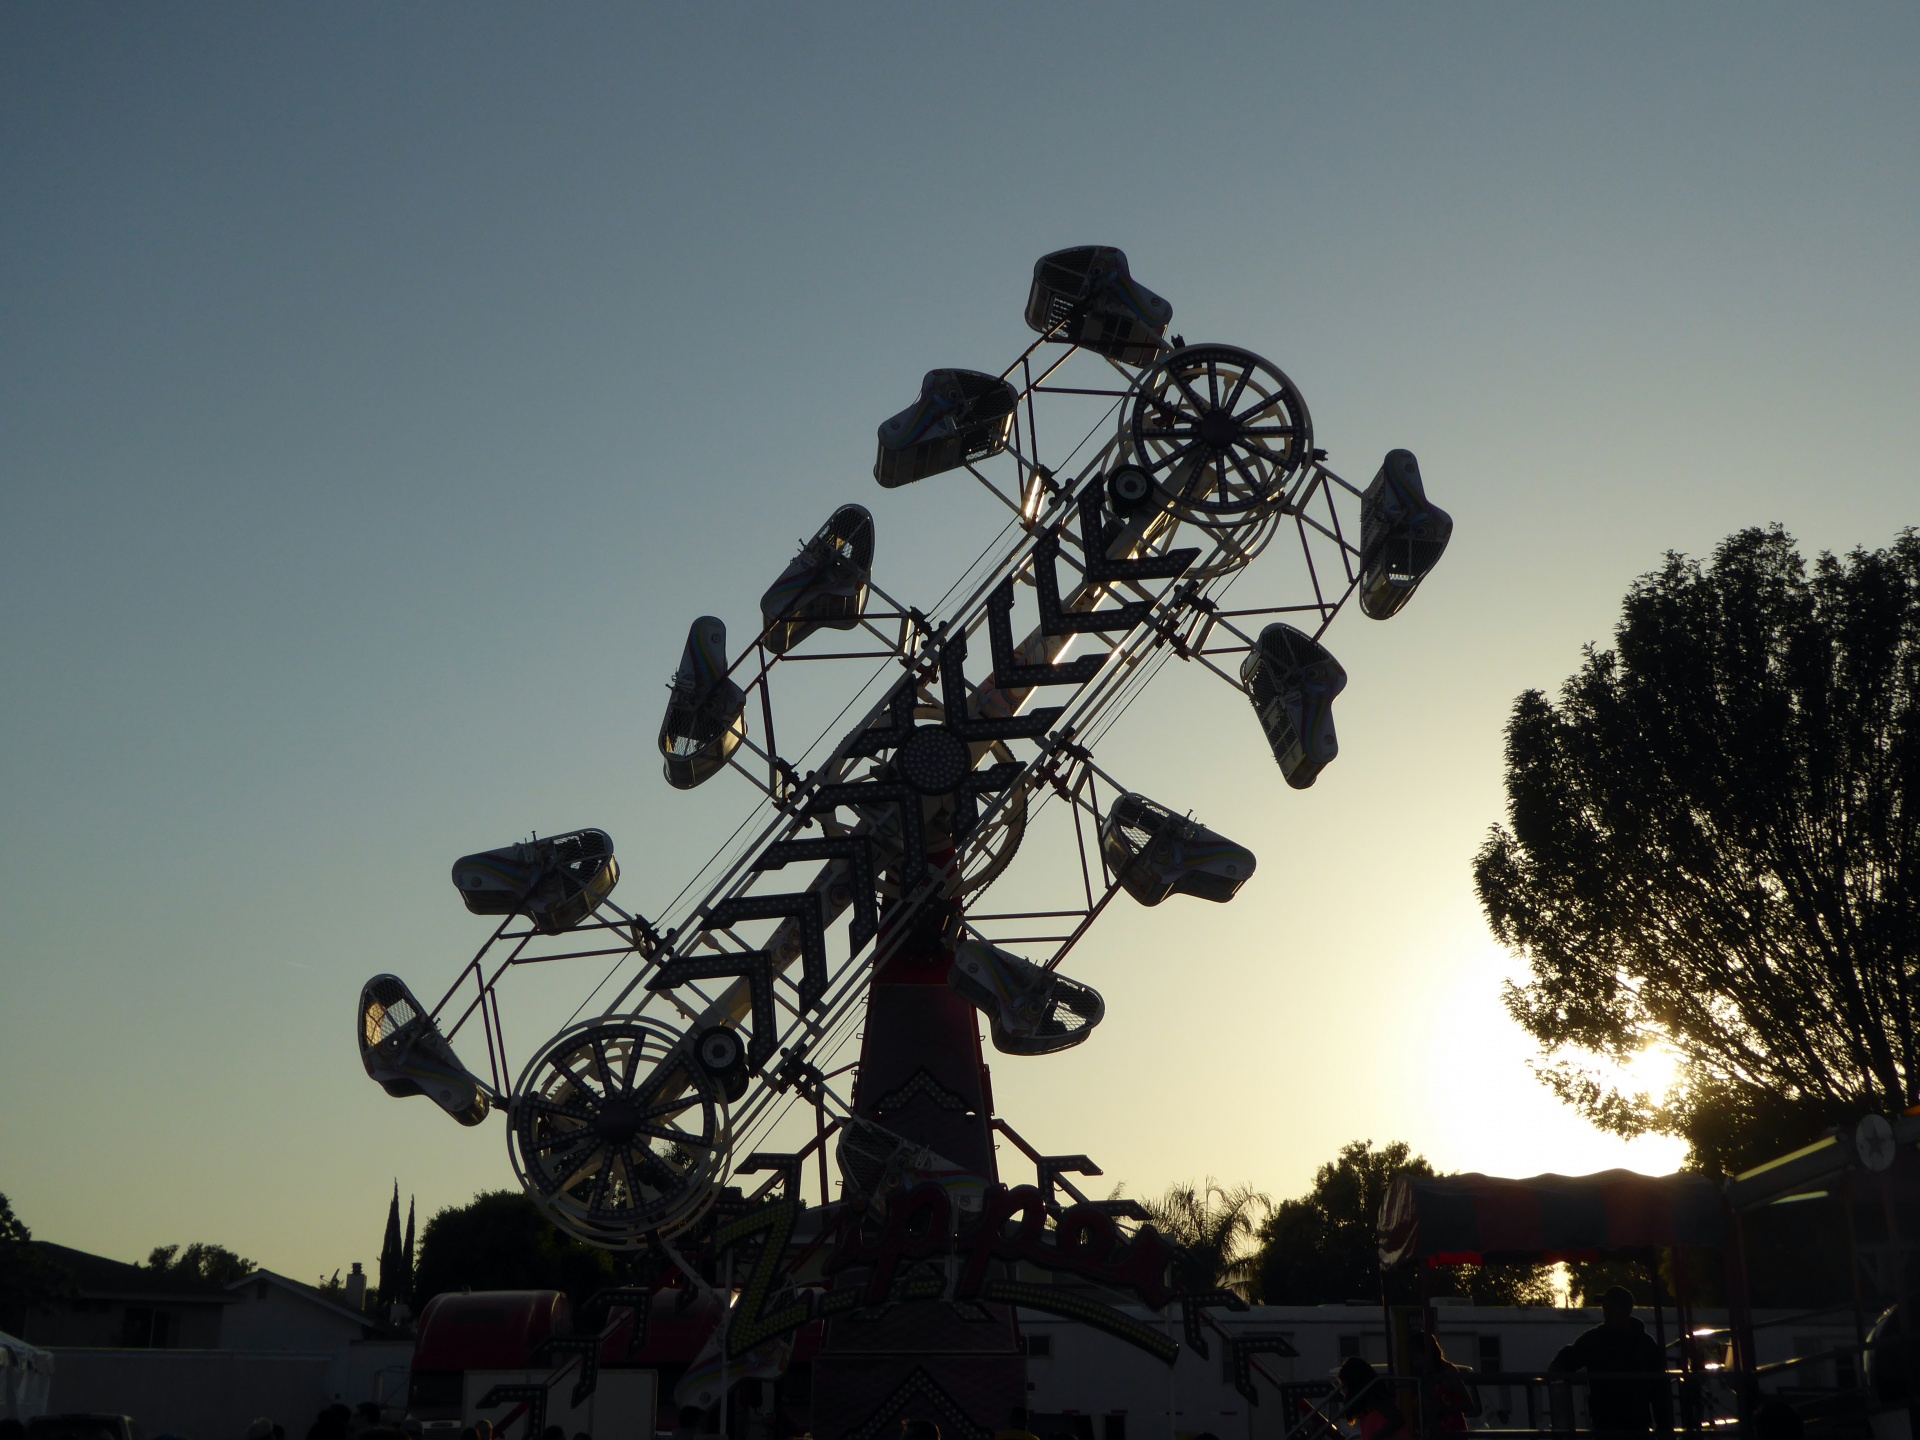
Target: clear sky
x: 383, y: 388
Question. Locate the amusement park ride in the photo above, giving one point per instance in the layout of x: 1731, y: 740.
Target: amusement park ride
x: 854, y: 899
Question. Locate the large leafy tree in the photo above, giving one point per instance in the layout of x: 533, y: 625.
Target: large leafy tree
x: 1713, y: 844
x: 1324, y: 1247
x: 207, y: 1264
x: 500, y: 1241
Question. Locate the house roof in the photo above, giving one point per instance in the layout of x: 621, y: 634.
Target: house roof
x: 97, y: 1277
x: 308, y: 1293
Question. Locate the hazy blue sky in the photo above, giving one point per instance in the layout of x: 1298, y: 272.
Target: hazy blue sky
x: 385, y: 387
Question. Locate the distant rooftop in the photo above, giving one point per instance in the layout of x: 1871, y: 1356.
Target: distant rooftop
x: 95, y: 1276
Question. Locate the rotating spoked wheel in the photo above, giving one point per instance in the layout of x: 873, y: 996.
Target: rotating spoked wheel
x: 1224, y: 435
x: 618, y: 1132
x: 991, y: 847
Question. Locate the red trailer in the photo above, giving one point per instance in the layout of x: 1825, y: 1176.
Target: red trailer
x: 478, y: 1330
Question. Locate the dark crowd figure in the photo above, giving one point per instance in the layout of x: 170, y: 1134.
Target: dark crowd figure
x: 1452, y: 1399
x: 333, y: 1423
x: 1627, y: 1394
x: 1368, y: 1403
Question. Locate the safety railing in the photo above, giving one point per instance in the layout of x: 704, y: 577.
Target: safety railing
x: 1551, y: 1405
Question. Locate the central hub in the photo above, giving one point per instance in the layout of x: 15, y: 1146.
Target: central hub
x: 1219, y: 429
x: 934, y: 760
x: 617, y: 1122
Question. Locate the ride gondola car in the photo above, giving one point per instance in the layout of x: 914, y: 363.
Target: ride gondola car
x: 1156, y: 853
x: 1402, y: 536
x: 825, y: 586
x: 705, y: 720
x: 1033, y: 1011
x: 1293, y: 680
x: 961, y: 415
x: 1088, y: 297
x: 404, y: 1051
x: 556, y: 882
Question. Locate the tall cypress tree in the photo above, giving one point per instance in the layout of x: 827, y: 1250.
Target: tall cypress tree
x: 392, y: 1260
x: 407, y: 1256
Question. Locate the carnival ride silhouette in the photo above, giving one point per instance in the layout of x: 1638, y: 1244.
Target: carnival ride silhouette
x: 875, y: 847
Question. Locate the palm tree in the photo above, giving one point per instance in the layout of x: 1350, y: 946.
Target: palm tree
x: 1216, y: 1227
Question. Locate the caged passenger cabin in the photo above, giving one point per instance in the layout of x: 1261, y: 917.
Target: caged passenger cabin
x: 1032, y: 1011
x: 556, y: 882
x: 1292, y: 680
x: 1402, y: 536
x: 825, y: 585
x: 1155, y: 853
x: 1087, y: 297
x: 706, y: 713
x: 404, y: 1051
x: 961, y: 415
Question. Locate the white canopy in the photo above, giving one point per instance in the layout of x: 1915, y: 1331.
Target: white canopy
x: 26, y: 1377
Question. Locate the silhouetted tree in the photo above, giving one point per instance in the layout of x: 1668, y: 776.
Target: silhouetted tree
x: 408, y: 1252
x: 28, y: 1276
x: 396, y: 1279
x: 1324, y: 1247
x: 500, y: 1241
x: 1713, y: 843
x: 208, y: 1264
x: 1216, y: 1227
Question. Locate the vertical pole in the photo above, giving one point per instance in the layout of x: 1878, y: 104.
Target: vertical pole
x: 1689, y: 1361
x: 820, y: 1135
x: 1902, y: 1320
x: 726, y: 1327
x: 1173, y: 1378
x: 1740, y: 1321
x: 1859, y: 1301
x: 1659, y: 1321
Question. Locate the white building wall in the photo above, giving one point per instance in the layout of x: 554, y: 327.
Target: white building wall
x: 201, y: 1393
x: 269, y: 1317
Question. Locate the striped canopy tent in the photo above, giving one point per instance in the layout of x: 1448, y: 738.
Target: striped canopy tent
x: 1473, y: 1219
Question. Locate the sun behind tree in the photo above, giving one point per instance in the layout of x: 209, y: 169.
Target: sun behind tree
x: 1713, y: 844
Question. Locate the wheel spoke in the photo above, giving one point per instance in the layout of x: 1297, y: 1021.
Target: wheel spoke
x: 563, y: 1140
x: 580, y: 1086
x: 648, y: 1093
x: 1275, y: 401
x: 1199, y: 405
x: 1173, y: 459
x: 652, y: 1168
x: 599, y: 1045
x: 673, y: 1109
x: 1213, y: 384
x: 675, y: 1137
x: 579, y: 1163
x: 597, y: 1197
x: 1254, y: 483
x: 1239, y: 387
x: 1288, y: 430
x: 554, y: 1107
